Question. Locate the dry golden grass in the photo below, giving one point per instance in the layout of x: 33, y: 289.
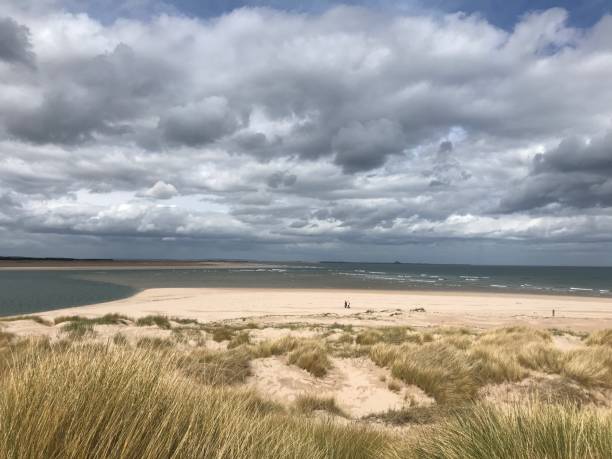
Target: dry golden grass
x: 384, y: 355
x: 275, y: 347
x: 394, y: 386
x: 34, y: 318
x: 368, y: 337
x: 216, y: 368
x: 312, y: 357
x: 600, y: 338
x: 514, y: 336
x: 117, y: 402
x: 154, y: 343
x: 239, y: 339
x: 441, y: 371
x: 308, y: 403
x: 525, y: 431
x: 591, y: 366
x: 494, y: 364
x: 542, y: 357
x: 160, y: 321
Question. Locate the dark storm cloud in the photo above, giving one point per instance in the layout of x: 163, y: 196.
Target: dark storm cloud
x: 15, y: 46
x: 576, y: 173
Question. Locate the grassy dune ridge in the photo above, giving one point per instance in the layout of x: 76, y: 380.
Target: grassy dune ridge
x: 168, y: 395
x: 119, y: 402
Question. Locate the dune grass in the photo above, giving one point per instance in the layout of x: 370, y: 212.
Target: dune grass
x: 106, y: 319
x: 417, y: 415
x: 600, y: 338
x: 34, y: 318
x: 217, y: 368
x: 591, y: 366
x: 312, y: 357
x: 278, y: 346
x: 441, y: 371
x: 309, y: 403
x: 96, y: 401
x: 157, y: 320
x: 154, y: 343
x: 78, y: 329
x: 239, y: 339
x: 541, y: 357
x: 6, y: 338
x: 494, y: 364
x: 119, y: 339
x: 526, y: 431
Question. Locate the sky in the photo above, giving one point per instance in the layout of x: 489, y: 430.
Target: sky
x: 447, y: 131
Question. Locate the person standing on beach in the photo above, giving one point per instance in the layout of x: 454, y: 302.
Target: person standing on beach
x: 345, y: 304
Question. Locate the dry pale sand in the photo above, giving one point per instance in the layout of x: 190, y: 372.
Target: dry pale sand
x: 483, y: 310
x: 357, y: 384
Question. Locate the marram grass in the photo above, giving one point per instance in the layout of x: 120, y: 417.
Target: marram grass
x: 118, y: 402
x: 527, y: 431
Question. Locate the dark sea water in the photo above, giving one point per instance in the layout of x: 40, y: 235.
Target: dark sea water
x: 33, y: 291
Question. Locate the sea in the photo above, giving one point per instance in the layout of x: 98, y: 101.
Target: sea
x: 30, y: 291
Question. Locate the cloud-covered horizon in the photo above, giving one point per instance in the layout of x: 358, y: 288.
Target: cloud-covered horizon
x: 346, y: 134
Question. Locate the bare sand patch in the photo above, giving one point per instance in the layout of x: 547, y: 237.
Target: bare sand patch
x: 357, y: 384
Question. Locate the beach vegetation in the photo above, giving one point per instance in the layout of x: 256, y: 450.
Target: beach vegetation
x: 541, y: 357
x: 417, y: 414
x: 34, y: 318
x: 156, y: 342
x: 309, y: 403
x: 591, y: 366
x: 526, y: 430
x: 443, y: 372
x: 126, y: 402
x: 394, y: 386
x: 106, y: 319
x: 216, y: 368
x: 78, y: 329
x: 119, y: 339
x: 494, y: 364
x: 275, y: 347
x: 600, y: 338
x: 156, y: 320
x: 368, y: 337
x: 312, y: 357
x: 240, y: 339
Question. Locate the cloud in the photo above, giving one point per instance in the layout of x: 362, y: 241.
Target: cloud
x: 365, y: 146
x: 161, y: 190
x: 15, y: 46
x: 198, y: 123
x: 350, y: 127
x: 576, y: 173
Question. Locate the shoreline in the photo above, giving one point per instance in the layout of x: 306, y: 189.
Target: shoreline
x: 386, y: 307
x: 127, y: 265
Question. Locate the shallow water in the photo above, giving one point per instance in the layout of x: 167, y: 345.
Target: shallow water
x: 32, y: 291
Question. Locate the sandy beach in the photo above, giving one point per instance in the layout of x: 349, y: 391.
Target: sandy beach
x: 482, y: 310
